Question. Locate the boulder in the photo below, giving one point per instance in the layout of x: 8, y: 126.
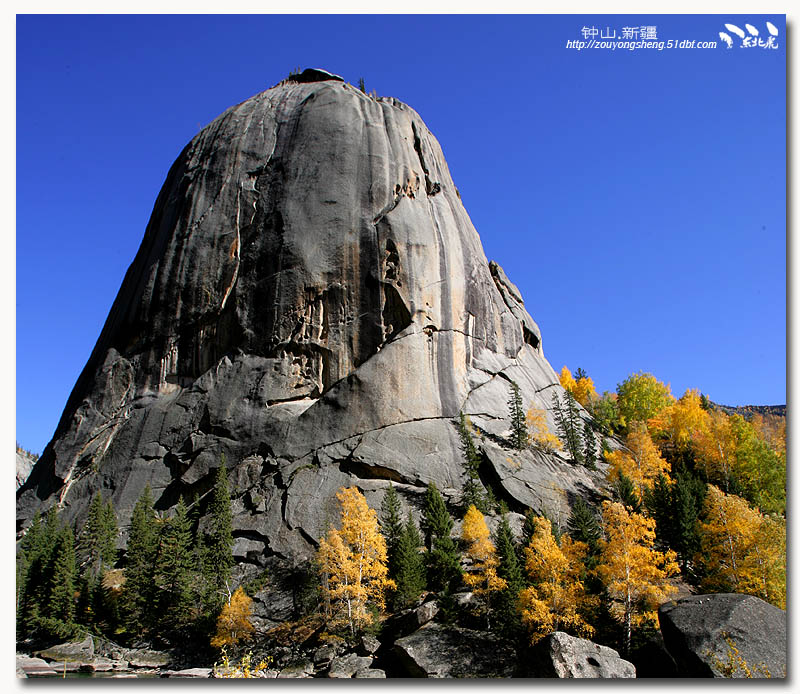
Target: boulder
x: 409, y: 620
x: 189, y: 673
x: 142, y: 658
x: 725, y: 635
x: 564, y: 656
x: 97, y: 665
x: 301, y: 669
x: 442, y: 651
x: 82, y: 651
x: 367, y: 645
x: 34, y: 667
x: 348, y: 665
x: 370, y: 674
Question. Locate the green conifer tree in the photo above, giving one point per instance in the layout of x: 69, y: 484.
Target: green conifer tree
x: 444, y: 566
x: 62, y: 581
x: 410, y: 576
x: 506, y: 615
x: 573, y: 423
x: 590, y: 447
x: 688, y: 495
x: 472, y: 494
x: 175, y: 580
x: 140, y: 609
x: 625, y: 492
x: 519, y: 427
x: 218, y: 555
x: 583, y: 525
x: 391, y: 527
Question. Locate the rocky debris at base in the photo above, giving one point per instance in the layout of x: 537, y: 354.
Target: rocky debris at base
x: 564, y: 656
x: 348, y: 665
x: 725, y: 635
x: 442, y: 651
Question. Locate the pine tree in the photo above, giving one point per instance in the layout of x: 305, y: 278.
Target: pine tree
x: 175, y: 579
x: 39, y: 546
x: 97, y: 543
x: 444, y: 567
x: 507, y: 620
x: 590, y: 447
x: 567, y: 422
x: 391, y: 527
x: 688, y: 497
x: 583, y: 525
x: 140, y: 572
x: 573, y: 421
x: 472, y: 490
x: 519, y: 428
x: 218, y: 554
x: 410, y: 576
x: 62, y: 583
x: 625, y: 492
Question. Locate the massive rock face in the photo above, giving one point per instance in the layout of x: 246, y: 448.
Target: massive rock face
x: 312, y: 304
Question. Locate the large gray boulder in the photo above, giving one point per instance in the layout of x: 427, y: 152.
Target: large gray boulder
x: 312, y: 304
x: 442, y: 651
x: 564, y: 656
x: 725, y: 635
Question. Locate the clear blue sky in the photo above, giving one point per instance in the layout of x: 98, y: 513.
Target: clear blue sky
x: 636, y: 198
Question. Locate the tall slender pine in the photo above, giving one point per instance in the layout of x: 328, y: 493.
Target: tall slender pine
x: 519, y: 427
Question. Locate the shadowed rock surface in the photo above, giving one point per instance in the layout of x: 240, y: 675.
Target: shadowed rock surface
x: 564, y: 656
x: 310, y: 301
x: 707, y: 634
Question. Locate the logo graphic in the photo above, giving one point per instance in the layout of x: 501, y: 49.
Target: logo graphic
x: 751, y: 38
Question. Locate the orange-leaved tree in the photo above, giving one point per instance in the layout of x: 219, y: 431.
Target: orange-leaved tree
x: 634, y: 573
x: 483, y: 578
x: 353, y: 562
x: 641, y: 460
x: 233, y: 623
x: 557, y: 598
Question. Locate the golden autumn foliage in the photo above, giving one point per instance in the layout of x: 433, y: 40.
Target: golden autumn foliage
x: 353, y: 562
x: 742, y: 550
x: 540, y: 435
x: 483, y: 579
x: 681, y: 421
x: 557, y: 596
x: 233, y: 623
x: 633, y: 572
x: 641, y: 460
x: 582, y: 389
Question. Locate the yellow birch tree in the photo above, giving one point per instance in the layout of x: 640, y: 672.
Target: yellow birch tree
x: 741, y: 550
x: 641, y: 460
x: 557, y: 597
x: 633, y: 572
x: 352, y: 561
x: 233, y: 623
x: 540, y: 435
x: 483, y: 578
